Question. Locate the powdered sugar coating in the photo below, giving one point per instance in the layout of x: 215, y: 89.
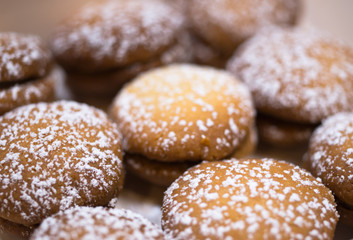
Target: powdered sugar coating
x: 109, y: 82
x: 295, y: 74
x: 87, y: 223
x: 226, y: 23
x: 248, y: 199
x: 22, y: 56
x: 54, y: 156
x: 331, y: 155
x: 183, y: 113
x: 36, y: 90
x: 116, y: 33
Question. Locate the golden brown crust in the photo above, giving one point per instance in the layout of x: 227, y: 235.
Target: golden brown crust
x: 295, y: 74
x: 55, y: 156
x: 248, y: 199
x: 22, y: 93
x: 279, y: 133
x: 183, y: 113
x: 111, y: 34
x: 225, y: 24
x: 22, y: 56
x: 330, y: 156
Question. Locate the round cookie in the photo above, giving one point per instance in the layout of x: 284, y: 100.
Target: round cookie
x: 97, y: 223
x: 23, y: 56
x: 55, y: 156
x: 282, y: 133
x: 111, y: 34
x: 183, y: 113
x: 26, y: 73
x: 296, y: 75
x: 224, y: 24
x: 248, y: 199
x: 330, y: 157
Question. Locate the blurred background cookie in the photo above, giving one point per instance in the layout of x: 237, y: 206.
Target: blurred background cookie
x: 296, y: 75
x: 223, y: 25
x: 97, y: 223
x: 105, y: 44
x: 330, y: 157
x: 13, y: 231
x: 27, y: 74
x: 276, y: 132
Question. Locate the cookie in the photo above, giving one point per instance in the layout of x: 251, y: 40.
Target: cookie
x: 296, y: 75
x: 97, y: 223
x: 330, y: 158
x: 183, y: 113
x: 54, y: 156
x: 116, y: 40
x: 224, y: 24
x: 248, y: 199
x: 26, y: 71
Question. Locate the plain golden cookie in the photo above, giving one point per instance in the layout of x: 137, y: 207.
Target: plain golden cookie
x: 97, y: 223
x: 224, y: 24
x: 248, y: 199
x: 295, y: 74
x: 55, y: 156
x: 330, y: 156
x: 183, y: 113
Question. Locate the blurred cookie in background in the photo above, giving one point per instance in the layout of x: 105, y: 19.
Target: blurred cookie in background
x: 27, y: 71
x: 330, y: 157
x: 105, y: 44
x: 223, y: 25
x: 298, y: 76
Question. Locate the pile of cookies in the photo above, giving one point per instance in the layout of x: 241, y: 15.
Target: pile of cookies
x: 191, y: 88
